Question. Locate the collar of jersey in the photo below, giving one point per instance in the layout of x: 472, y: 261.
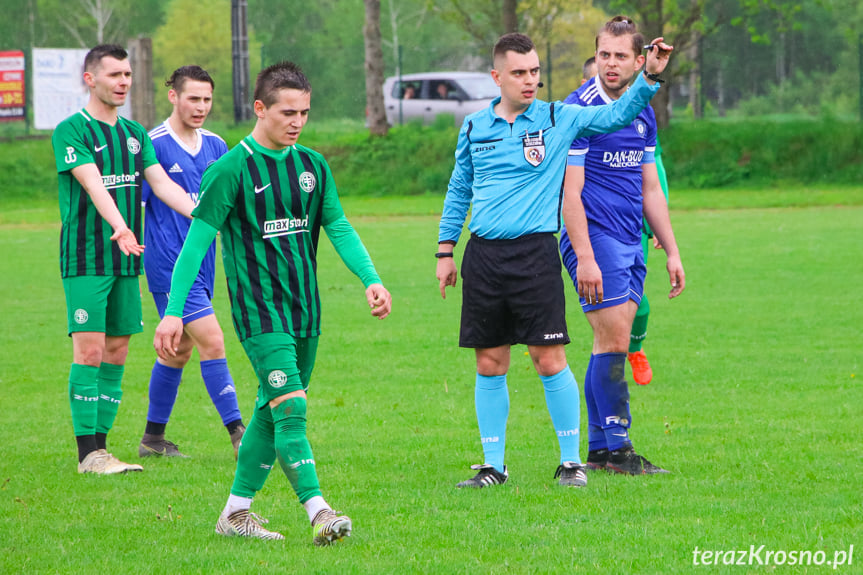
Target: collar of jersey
x: 528, y: 113
x: 256, y: 147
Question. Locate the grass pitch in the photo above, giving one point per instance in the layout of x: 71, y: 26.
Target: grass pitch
x: 755, y: 407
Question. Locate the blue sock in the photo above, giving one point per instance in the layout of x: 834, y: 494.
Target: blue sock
x: 561, y: 397
x: 492, y: 411
x: 164, y: 383
x: 595, y: 434
x: 220, y: 386
x: 612, y: 398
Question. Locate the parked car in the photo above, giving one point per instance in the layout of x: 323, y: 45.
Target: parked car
x: 428, y: 95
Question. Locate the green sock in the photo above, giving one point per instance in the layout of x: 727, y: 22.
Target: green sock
x: 84, y: 398
x: 639, y: 325
x: 293, y: 449
x: 110, y: 394
x: 257, y: 455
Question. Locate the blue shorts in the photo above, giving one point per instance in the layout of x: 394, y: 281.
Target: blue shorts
x: 622, y: 267
x: 199, y: 304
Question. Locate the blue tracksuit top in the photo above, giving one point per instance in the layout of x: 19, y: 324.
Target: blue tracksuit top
x: 513, y: 174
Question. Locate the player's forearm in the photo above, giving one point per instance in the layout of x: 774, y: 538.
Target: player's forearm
x: 168, y: 191
x: 91, y: 180
x: 656, y: 213
x: 574, y: 217
x: 352, y: 251
x: 198, y: 241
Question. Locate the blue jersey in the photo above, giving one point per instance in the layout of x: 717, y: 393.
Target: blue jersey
x: 513, y: 173
x: 612, y: 168
x: 164, y: 229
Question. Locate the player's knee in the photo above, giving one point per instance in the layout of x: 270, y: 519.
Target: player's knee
x: 214, y: 348
x: 289, y: 418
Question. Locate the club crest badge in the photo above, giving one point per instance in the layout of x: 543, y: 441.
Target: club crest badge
x: 534, y: 149
x: 307, y: 182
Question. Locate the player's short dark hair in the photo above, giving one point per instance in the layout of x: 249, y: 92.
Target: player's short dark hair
x: 95, y: 55
x: 512, y: 42
x: 180, y: 75
x: 587, y: 68
x: 284, y: 75
x: 623, y: 26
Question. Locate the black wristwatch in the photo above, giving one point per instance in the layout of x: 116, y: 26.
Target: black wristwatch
x: 654, y: 77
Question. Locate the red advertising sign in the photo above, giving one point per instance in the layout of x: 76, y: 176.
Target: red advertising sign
x: 12, y: 95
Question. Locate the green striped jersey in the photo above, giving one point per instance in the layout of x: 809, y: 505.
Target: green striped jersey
x: 121, y: 153
x: 269, y: 207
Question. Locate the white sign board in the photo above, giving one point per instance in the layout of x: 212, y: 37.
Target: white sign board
x: 58, y: 86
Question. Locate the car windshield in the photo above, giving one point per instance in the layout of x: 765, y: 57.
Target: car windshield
x: 480, y: 87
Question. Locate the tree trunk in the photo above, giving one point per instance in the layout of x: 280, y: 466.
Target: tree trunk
x: 509, y: 16
x: 374, y: 69
x: 694, y: 73
x: 660, y: 103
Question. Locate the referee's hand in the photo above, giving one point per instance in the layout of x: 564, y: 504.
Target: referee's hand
x: 447, y: 274
x: 658, y: 56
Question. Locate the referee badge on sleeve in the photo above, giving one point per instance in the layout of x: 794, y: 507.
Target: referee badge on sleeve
x: 534, y: 148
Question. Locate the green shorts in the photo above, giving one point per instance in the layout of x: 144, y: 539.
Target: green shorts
x: 104, y: 304
x: 282, y: 363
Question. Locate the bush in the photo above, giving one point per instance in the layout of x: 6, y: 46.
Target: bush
x: 710, y: 154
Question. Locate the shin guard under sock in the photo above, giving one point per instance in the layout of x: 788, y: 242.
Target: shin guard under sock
x: 293, y: 449
x: 257, y: 455
x: 492, y: 410
x: 561, y: 397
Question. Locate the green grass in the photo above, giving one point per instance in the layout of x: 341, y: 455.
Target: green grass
x: 755, y: 406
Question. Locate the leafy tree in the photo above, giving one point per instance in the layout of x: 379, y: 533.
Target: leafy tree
x: 85, y: 23
x: 198, y: 32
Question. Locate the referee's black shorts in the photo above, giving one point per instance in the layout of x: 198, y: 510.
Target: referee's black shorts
x: 512, y: 292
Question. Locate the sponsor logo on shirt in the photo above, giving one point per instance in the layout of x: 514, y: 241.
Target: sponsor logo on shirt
x: 623, y: 159
x: 112, y: 181
x: 175, y: 169
x: 285, y: 227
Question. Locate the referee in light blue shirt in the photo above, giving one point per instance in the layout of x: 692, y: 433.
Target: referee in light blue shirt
x: 510, y: 163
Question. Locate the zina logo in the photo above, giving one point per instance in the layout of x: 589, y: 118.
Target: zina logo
x: 81, y: 316
x: 277, y: 378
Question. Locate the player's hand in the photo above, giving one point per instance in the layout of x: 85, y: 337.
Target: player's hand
x: 657, y: 56
x: 447, y: 275
x: 675, y: 276
x: 379, y: 300
x: 127, y: 242
x: 167, y: 338
x: 588, y: 280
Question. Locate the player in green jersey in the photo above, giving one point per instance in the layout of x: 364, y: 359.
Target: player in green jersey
x: 101, y: 162
x: 269, y: 197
